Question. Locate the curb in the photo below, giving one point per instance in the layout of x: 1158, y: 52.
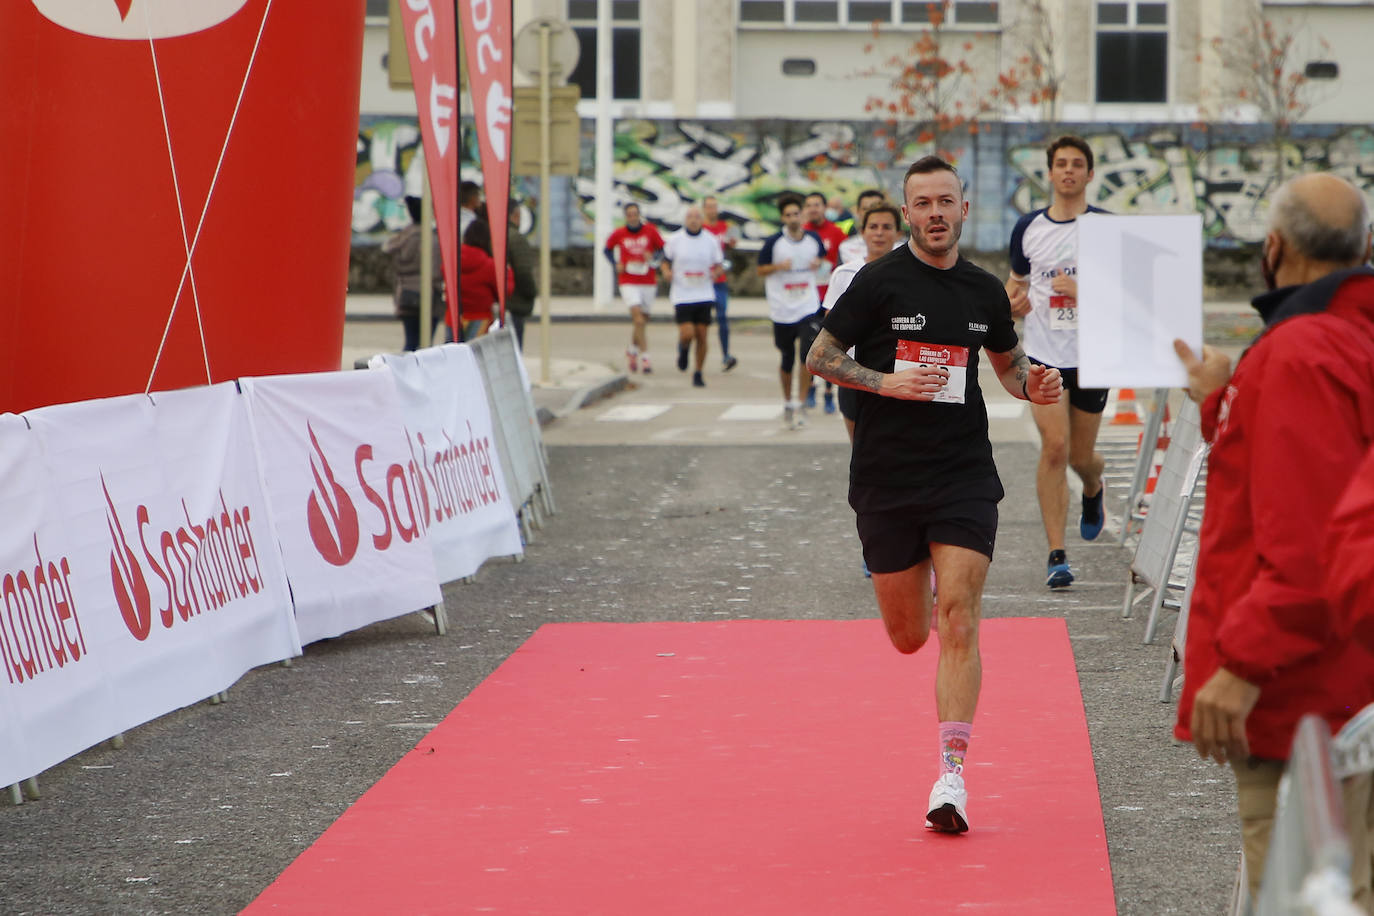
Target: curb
x: 584, y: 396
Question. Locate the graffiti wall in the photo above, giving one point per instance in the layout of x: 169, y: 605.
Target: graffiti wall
x: 1226, y: 172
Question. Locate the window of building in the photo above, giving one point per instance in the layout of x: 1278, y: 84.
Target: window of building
x: 1133, y: 51
x: 863, y: 13
x: 1322, y: 70
x: 625, y: 47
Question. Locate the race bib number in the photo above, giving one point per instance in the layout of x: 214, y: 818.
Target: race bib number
x: 638, y: 268
x: 1063, y: 313
x: 913, y: 354
x: 795, y: 292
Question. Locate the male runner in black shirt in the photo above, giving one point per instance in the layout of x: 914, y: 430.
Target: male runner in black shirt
x: 922, y: 479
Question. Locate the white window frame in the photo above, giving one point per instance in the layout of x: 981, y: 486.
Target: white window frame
x: 843, y: 20
x: 620, y: 108
x: 1134, y: 111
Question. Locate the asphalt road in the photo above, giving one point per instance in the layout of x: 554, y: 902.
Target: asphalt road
x: 664, y: 517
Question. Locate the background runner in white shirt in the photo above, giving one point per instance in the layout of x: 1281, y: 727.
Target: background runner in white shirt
x: 854, y: 248
x: 879, y: 224
x: 1043, y: 287
x: 787, y: 262
x: 691, y: 256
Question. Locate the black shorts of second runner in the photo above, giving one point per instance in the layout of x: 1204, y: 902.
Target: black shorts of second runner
x: 849, y: 403
x: 695, y: 312
x: 897, y: 525
x: 1088, y: 400
x: 785, y: 339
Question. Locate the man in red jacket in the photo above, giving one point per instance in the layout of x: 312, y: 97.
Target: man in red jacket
x: 1288, y: 430
x: 1349, y: 556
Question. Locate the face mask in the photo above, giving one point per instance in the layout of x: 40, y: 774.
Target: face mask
x: 832, y: 214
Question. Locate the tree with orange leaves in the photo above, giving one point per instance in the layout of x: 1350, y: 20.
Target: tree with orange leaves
x: 1262, y: 70
x: 935, y: 85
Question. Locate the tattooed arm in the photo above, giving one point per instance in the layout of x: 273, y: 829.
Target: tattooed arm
x: 1024, y: 379
x: 828, y: 360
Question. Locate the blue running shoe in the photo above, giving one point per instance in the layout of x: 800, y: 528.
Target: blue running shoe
x: 867, y: 574
x: 1094, y: 516
x: 830, y: 402
x: 1059, y: 575
x: 810, y: 397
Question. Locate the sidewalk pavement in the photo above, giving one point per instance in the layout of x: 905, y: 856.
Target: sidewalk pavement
x: 573, y: 383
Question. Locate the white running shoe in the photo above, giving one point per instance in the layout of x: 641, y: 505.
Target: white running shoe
x: 801, y: 418
x: 948, y: 800
x: 789, y: 414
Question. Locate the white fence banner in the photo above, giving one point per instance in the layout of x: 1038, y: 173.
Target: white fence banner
x: 470, y: 516
x: 347, y: 498
x: 139, y: 569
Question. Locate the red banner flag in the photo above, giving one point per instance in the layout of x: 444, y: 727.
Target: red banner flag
x: 487, y: 42
x: 431, y: 41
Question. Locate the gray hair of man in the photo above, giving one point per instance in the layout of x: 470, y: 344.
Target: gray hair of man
x: 1339, y: 237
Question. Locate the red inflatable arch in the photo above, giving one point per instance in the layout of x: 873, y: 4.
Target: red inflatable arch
x: 126, y: 120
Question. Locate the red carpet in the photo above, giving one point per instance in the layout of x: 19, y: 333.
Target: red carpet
x: 748, y: 767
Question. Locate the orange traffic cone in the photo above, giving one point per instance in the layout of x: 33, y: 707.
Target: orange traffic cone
x: 1126, y: 413
x: 1156, y: 463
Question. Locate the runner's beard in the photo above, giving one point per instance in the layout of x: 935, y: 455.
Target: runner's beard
x: 953, y: 231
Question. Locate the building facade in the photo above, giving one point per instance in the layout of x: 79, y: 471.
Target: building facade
x: 747, y: 98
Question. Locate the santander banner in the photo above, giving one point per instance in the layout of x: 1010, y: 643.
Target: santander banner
x: 433, y: 51
x: 178, y: 179
x: 138, y: 571
x: 348, y: 498
x: 470, y: 517
x: 487, y: 44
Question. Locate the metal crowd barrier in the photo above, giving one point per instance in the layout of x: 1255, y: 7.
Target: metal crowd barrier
x: 1308, y: 867
x: 1133, y: 513
x: 1173, y: 500
x: 1173, y: 659
x: 515, y: 420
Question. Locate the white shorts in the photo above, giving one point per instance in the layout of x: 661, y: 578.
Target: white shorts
x: 640, y: 294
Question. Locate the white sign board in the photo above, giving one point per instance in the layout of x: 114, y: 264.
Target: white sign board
x: 346, y: 498
x: 138, y: 571
x: 1139, y: 288
x: 462, y: 492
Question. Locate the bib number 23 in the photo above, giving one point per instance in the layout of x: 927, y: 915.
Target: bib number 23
x: 1063, y: 313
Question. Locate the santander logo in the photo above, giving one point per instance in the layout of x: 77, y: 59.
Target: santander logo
x: 200, y: 564
x: 334, y: 529
x: 137, y: 19
x: 130, y: 587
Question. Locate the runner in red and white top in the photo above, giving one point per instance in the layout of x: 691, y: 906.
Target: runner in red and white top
x: 728, y: 235
x: 690, y: 259
x: 832, y: 236
x: 632, y: 250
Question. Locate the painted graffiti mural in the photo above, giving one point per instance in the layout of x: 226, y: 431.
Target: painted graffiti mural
x: 1225, y: 172
x: 1228, y: 178
x: 391, y: 166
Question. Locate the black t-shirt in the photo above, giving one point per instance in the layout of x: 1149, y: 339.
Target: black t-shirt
x: 934, y: 316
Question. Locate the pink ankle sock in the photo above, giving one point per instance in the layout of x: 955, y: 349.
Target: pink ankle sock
x: 954, y: 738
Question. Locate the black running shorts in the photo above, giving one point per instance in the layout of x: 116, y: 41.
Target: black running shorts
x: 1088, y: 400
x: 898, y: 525
x: 694, y: 312
x: 849, y: 403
